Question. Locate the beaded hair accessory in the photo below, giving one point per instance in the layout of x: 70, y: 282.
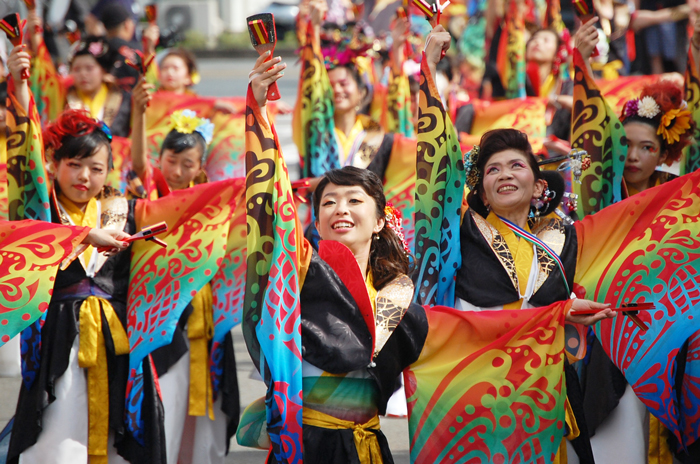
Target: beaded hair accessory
x: 471, y: 158
x: 187, y: 122
x: 393, y: 221
x: 673, y: 124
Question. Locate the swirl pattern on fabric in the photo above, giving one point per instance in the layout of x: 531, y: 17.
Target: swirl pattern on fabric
x: 439, y: 189
x: 30, y: 255
x: 398, y: 118
x: 597, y: 130
x: 498, y: 396
x: 272, y: 314
x: 313, y: 124
x: 651, y: 253
x: 47, y: 85
x: 27, y: 182
x: 163, y: 281
x: 691, y: 154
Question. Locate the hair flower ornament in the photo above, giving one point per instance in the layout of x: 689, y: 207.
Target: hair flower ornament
x: 187, y: 122
x: 674, y: 123
x: 471, y: 158
x: 393, y: 220
x: 648, y: 108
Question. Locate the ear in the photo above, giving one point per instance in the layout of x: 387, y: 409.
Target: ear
x: 662, y: 158
x: 539, y: 189
x: 380, y: 225
x: 482, y: 196
x: 318, y: 229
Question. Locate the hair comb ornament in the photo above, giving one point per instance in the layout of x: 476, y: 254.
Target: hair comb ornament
x: 393, y: 220
x: 578, y: 162
x: 13, y: 27
x: 263, y: 36
x: 471, y: 158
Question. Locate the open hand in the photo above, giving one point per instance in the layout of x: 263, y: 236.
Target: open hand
x: 581, y: 304
x: 263, y: 75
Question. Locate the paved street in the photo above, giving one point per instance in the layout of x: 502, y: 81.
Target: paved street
x: 224, y: 77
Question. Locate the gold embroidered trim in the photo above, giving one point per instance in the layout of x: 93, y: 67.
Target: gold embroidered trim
x: 499, y: 247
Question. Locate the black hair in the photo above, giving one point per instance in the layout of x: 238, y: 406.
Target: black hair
x: 387, y: 257
x: 99, y: 49
x: 84, y: 146
x: 3, y: 94
x: 179, y: 142
x: 496, y: 141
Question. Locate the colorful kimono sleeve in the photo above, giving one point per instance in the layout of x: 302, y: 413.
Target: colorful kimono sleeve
x: 400, y: 180
x: 512, y: 53
x: 647, y: 249
x: 313, y: 124
x: 691, y: 154
x: 32, y: 252
x: 399, y: 119
x: 47, y: 86
x: 163, y: 281
x: 488, y: 387
x: 439, y: 189
x: 379, y: 104
x: 27, y: 182
x: 272, y: 312
x: 597, y: 130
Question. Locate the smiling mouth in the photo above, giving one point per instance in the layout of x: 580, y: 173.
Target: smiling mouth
x: 507, y: 188
x: 342, y: 225
x: 82, y: 188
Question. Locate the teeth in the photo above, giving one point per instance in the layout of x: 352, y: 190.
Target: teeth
x: 342, y: 225
x: 507, y: 188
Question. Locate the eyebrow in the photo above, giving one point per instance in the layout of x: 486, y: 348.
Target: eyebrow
x: 349, y: 192
x: 507, y: 162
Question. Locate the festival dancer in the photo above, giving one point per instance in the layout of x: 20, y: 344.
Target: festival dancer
x: 93, y: 87
x: 493, y: 227
x: 658, y: 126
x: 198, y: 421
x: 351, y: 303
x: 84, y: 329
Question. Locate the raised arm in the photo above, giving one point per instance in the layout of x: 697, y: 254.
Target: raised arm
x: 439, y: 186
x: 314, y: 127
x: 141, y: 98
x: 691, y: 155
x: 597, y: 130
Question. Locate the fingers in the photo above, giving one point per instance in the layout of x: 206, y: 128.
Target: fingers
x: 262, y: 66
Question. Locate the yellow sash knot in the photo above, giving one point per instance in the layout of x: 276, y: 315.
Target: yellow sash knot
x: 659, y: 452
x: 366, y: 442
x: 610, y: 71
x: 92, y: 356
x: 200, y: 330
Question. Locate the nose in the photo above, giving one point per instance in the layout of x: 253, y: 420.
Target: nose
x: 632, y: 154
x: 83, y: 174
x: 177, y: 170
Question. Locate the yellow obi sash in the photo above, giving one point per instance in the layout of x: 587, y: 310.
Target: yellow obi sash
x: 347, y: 141
x: 366, y: 441
x: 92, y: 356
x: 200, y: 330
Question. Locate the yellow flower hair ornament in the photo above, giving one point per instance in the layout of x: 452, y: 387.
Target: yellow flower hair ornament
x: 674, y: 123
x: 187, y: 122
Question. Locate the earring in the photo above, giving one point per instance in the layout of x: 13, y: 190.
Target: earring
x: 376, y: 236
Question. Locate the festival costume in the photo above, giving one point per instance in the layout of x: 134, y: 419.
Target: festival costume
x: 322, y: 147
x: 111, y: 104
x: 601, y: 134
x: 93, y: 293
x: 582, y: 250
x: 198, y: 421
x: 311, y: 329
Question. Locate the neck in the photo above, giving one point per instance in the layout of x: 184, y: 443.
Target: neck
x: 544, y: 70
x: 344, y: 121
x: 639, y: 186
x: 91, y: 94
x: 362, y: 258
x: 67, y: 202
x: 519, y: 218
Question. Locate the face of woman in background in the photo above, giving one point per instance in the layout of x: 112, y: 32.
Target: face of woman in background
x: 87, y: 74
x: 180, y: 169
x: 542, y: 47
x: 346, y: 93
x: 174, y: 75
x: 509, y: 183
x: 643, y: 154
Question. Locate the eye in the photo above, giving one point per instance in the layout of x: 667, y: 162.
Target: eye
x: 518, y: 164
x: 73, y: 164
x: 356, y: 201
x: 650, y: 148
x: 328, y: 203
x: 491, y: 169
x: 97, y: 170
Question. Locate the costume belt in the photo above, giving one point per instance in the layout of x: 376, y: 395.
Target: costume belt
x: 366, y: 442
x: 92, y: 355
x: 200, y: 330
